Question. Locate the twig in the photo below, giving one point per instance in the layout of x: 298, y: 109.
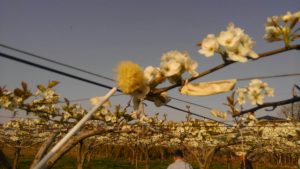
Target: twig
x: 206, y: 72
x: 270, y: 104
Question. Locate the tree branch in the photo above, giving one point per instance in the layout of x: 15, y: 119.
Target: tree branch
x: 270, y: 104
x: 43, y: 149
x: 72, y: 142
x: 206, y: 72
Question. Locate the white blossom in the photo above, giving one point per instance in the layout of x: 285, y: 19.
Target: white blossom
x: 171, y: 68
x: 238, y: 54
x: 255, y: 96
x: 233, y: 43
x: 230, y: 38
x: 287, y: 17
x: 108, y: 118
x: 256, y: 92
x: 153, y: 76
x: 175, y: 63
x: 209, y: 45
x: 280, y: 27
x: 269, y: 91
x: 241, y: 99
x: 191, y: 66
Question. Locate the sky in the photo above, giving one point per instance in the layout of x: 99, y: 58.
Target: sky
x: 96, y: 35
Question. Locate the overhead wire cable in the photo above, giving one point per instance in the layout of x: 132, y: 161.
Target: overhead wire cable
x: 55, y: 71
x: 189, y: 112
x: 86, y: 80
x: 191, y: 103
x: 56, y: 62
x: 82, y: 70
x: 269, y: 77
x: 85, y: 71
x: 110, y: 79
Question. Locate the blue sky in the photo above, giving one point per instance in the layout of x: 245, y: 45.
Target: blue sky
x: 97, y: 35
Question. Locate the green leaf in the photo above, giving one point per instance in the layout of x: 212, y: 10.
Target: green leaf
x: 53, y: 83
x: 18, y: 92
x: 24, y: 86
x: 298, y: 29
x: 230, y: 100
x: 41, y: 88
x: 67, y: 101
x: 295, y: 21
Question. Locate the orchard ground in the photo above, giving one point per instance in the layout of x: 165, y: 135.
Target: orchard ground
x: 69, y: 162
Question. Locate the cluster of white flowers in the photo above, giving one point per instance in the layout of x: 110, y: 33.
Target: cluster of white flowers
x: 126, y: 128
x: 249, y: 119
x: 283, y: 130
x: 153, y: 76
x: 279, y: 28
x: 133, y: 80
x: 192, y: 143
x: 46, y: 95
x: 21, y: 123
x: 103, y: 113
x: 50, y: 95
x: 237, y: 45
x: 174, y: 63
x: 23, y: 131
x: 111, y: 118
x: 9, y: 101
x: 256, y: 92
x: 12, y: 124
x: 218, y: 113
x: 73, y: 112
x: 157, y: 137
x: 174, y: 141
x: 145, y: 119
x: 179, y: 130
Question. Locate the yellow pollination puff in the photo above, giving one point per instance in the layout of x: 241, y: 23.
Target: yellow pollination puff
x: 130, y: 77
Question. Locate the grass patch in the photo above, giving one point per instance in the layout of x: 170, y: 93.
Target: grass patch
x: 70, y: 163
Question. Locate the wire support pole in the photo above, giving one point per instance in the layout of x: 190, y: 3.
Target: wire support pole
x: 74, y: 130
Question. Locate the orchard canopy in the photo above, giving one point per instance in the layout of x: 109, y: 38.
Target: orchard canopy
x: 50, y: 115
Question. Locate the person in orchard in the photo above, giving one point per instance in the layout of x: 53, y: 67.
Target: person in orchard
x: 179, y: 162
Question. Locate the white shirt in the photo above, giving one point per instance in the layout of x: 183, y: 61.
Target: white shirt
x: 180, y: 164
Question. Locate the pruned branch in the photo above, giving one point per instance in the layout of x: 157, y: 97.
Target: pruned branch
x: 270, y: 104
x: 43, y: 149
x: 72, y: 142
x: 218, y: 67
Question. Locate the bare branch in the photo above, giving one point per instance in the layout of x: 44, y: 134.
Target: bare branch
x: 206, y: 72
x: 270, y: 104
x: 43, y: 149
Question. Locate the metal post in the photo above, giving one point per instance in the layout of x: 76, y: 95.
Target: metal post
x: 73, y: 130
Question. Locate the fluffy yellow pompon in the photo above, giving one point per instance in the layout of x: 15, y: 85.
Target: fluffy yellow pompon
x: 130, y: 77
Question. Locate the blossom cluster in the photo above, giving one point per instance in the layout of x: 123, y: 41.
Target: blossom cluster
x: 8, y: 100
x: 237, y: 45
x: 22, y: 131
x: 73, y: 112
x: 130, y: 78
x: 278, y: 28
x: 133, y: 80
x: 249, y: 120
x: 256, y: 92
x: 174, y: 63
x: 218, y: 113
